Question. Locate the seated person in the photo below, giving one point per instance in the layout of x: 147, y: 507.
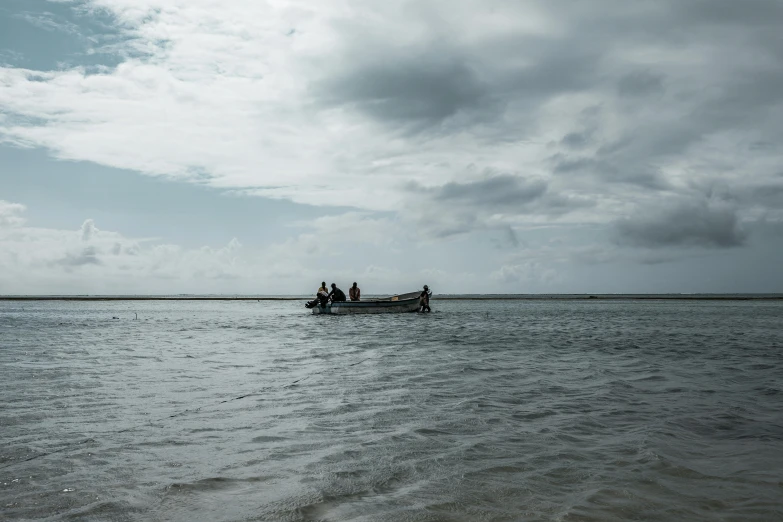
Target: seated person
x: 337, y: 295
x: 320, y: 297
x: 424, y: 300
x: 354, y: 293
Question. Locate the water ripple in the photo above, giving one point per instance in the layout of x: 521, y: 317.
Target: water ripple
x: 490, y: 410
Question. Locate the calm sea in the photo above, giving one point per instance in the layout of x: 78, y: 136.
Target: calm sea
x: 482, y: 410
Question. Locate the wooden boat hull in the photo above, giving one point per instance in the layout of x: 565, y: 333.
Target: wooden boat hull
x: 392, y: 305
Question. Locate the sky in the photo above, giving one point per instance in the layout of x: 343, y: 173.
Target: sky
x: 493, y: 146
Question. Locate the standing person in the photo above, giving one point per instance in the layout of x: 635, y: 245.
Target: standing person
x: 354, y: 293
x: 337, y: 295
x: 424, y: 300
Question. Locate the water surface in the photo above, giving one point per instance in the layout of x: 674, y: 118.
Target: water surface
x: 482, y: 410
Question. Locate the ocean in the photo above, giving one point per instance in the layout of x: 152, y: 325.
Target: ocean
x: 560, y: 409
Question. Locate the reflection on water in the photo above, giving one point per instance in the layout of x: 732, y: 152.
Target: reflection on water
x: 495, y: 410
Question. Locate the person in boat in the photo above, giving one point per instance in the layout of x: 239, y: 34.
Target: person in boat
x: 354, y: 293
x: 336, y: 295
x: 424, y: 300
x: 321, y: 296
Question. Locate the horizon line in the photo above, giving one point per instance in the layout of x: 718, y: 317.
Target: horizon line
x: 298, y: 297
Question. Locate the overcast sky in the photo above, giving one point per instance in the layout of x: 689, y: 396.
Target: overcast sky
x: 250, y: 146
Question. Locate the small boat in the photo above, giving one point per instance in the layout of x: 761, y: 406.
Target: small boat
x: 387, y: 305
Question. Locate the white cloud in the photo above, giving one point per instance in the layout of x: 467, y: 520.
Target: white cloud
x: 374, y: 252
x: 42, y: 260
x: 10, y: 214
x: 435, y: 119
x: 313, y: 102
x: 533, y: 275
x: 88, y: 230
x: 93, y: 260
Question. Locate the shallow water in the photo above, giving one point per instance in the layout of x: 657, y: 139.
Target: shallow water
x: 482, y: 410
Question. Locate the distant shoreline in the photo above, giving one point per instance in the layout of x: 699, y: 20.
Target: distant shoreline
x: 500, y: 297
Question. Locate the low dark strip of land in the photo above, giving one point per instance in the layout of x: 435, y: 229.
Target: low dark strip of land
x: 500, y: 297
x: 616, y: 298
x: 144, y: 298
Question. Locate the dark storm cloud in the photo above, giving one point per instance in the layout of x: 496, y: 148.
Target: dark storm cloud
x: 641, y: 83
x: 557, y: 67
x: 738, y: 105
x: 499, y: 191
x: 627, y: 172
x: 458, y: 208
x: 575, y: 140
x: 440, y: 223
x: 446, y: 88
x: 421, y: 89
x: 511, y: 237
x: 502, y: 190
x: 686, y: 224
x: 769, y: 194
x: 731, y: 12
x: 657, y: 83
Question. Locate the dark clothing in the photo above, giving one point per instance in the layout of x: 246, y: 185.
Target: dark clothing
x: 320, y: 299
x: 337, y: 295
x: 424, y: 301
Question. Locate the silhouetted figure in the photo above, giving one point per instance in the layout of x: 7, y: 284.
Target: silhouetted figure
x: 336, y: 295
x: 424, y: 300
x: 354, y: 293
x: 321, y: 297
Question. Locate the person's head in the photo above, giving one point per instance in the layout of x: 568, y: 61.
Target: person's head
x: 323, y: 284
x: 334, y: 285
x: 354, y: 284
x: 426, y: 287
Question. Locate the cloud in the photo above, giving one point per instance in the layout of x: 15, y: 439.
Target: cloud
x: 770, y: 195
x: 448, y: 117
x: 48, y: 22
x: 89, y: 259
x: 88, y: 230
x: 87, y: 256
x: 511, y: 238
x: 494, y: 201
x: 640, y: 83
x: 700, y: 223
x: 532, y: 273
x: 10, y: 214
x: 758, y: 13
x: 331, y: 236
x: 409, y: 87
x: 496, y: 192
x: 575, y: 140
